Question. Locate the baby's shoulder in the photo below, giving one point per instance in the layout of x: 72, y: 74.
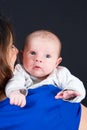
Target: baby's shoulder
x: 62, y: 69
x: 18, y: 68
x: 20, y: 71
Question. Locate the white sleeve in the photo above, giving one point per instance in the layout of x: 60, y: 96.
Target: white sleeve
x: 69, y: 81
x: 16, y: 82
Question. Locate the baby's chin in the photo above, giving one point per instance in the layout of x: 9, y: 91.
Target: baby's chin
x: 40, y: 77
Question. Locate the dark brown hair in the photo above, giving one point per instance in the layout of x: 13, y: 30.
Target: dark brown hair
x: 5, y: 34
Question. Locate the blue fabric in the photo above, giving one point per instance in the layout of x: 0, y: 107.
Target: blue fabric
x: 42, y: 112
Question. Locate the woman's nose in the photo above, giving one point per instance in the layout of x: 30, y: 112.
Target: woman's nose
x: 16, y: 49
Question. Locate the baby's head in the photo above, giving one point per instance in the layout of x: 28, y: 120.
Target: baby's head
x: 41, y: 54
x: 44, y: 35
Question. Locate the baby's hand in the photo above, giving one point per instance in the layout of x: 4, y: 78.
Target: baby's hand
x: 17, y: 98
x: 67, y: 95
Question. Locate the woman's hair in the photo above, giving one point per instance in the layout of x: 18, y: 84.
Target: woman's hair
x: 5, y: 34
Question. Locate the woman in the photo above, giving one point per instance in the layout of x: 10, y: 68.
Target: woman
x: 32, y: 116
x: 8, y: 54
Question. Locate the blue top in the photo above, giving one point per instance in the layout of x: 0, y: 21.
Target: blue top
x: 42, y: 112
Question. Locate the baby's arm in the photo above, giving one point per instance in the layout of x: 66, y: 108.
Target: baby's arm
x: 16, y: 91
x: 67, y: 95
x: 15, y: 86
x: 17, y: 98
x: 69, y: 82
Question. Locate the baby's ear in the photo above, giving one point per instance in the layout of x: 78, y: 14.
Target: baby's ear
x: 59, y: 60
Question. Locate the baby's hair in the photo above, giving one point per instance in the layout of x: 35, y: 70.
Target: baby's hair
x: 42, y: 34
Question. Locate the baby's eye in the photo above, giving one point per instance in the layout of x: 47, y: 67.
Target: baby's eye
x: 48, y: 56
x: 32, y: 52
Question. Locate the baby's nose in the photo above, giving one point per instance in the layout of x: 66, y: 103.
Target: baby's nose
x: 38, y: 60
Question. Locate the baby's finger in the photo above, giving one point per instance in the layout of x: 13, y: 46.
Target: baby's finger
x: 23, y: 103
x: 12, y: 100
x: 59, y: 95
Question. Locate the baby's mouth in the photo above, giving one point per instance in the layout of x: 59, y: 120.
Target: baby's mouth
x: 37, y: 67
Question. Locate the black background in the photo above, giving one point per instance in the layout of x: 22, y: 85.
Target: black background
x: 66, y: 18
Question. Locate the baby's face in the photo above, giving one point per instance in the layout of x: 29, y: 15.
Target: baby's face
x: 40, y: 57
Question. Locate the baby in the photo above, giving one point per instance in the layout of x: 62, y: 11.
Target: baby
x: 41, y: 59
